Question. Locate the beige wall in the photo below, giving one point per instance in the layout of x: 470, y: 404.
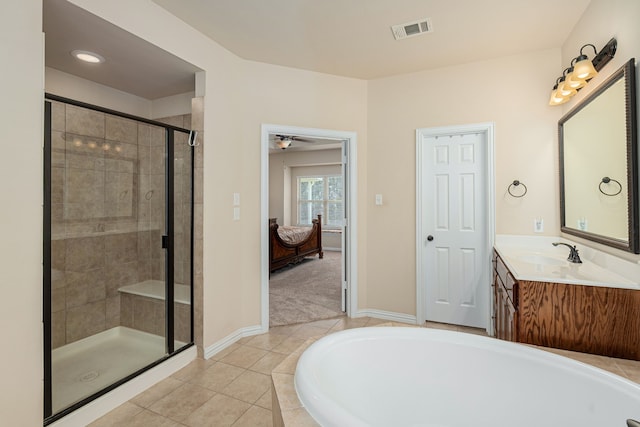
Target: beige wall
x: 223, y: 293
x: 513, y: 93
x: 239, y: 97
x: 242, y: 95
x: 603, y: 20
x: 21, y: 217
x: 79, y: 89
x: 285, y: 96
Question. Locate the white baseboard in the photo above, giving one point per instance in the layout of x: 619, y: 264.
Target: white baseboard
x: 106, y: 403
x: 325, y: 249
x: 232, y: 338
x: 387, y: 315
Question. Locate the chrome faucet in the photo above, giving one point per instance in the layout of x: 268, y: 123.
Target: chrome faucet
x: 573, y: 255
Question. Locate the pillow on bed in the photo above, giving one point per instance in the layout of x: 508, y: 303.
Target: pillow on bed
x: 294, y: 235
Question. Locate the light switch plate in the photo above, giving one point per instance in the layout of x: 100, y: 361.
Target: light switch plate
x: 236, y: 214
x: 378, y: 199
x: 236, y: 199
x: 538, y: 225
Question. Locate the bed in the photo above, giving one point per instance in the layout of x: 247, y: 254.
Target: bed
x: 290, y: 245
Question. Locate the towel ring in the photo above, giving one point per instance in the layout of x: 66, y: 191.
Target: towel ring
x: 607, y: 180
x: 514, y: 184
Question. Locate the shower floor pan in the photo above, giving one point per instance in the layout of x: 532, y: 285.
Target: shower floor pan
x: 87, y: 366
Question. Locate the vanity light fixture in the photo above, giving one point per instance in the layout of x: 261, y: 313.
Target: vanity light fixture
x: 557, y: 99
x: 86, y: 56
x: 580, y: 71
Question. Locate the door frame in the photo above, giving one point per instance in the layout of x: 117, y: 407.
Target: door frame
x: 350, y: 252
x: 487, y: 129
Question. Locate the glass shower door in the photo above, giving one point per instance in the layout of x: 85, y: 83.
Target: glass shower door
x: 183, y: 229
x: 117, y: 241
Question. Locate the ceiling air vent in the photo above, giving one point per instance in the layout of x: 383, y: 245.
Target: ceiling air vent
x: 410, y: 29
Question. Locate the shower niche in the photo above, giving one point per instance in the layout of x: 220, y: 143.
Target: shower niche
x: 118, y: 246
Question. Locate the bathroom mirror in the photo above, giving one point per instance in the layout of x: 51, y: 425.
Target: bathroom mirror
x: 599, y: 164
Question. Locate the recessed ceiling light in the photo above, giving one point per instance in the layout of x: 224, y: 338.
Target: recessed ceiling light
x: 86, y: 56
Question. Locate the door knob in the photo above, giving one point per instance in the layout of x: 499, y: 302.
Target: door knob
x: 429, y: 237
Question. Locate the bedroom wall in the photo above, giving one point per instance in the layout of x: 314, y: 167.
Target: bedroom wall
x: 601, y: 21
x: 281, y: 191
x: 332, y: 239
x: 513, y: 93
x: 298, y: 171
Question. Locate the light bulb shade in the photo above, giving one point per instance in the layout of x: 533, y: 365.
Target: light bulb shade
x: 564, y: 91
x: 283, y: 143
x: 573, y: 82
x: 584, y: 69
x: 555, y: 99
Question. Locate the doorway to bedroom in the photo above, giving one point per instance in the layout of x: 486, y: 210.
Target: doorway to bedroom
x: 306, y: 207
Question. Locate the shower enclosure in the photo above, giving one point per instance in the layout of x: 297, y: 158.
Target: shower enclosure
x: 118, y: 239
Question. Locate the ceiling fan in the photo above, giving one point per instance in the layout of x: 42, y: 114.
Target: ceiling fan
x: 284, y: 141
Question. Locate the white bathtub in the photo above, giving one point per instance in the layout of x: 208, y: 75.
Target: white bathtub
x: 390, y: 376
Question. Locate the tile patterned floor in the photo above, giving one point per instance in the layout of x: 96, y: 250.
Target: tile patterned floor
x: 234, y: 387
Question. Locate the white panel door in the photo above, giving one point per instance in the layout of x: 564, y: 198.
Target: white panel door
x: 453, y: 201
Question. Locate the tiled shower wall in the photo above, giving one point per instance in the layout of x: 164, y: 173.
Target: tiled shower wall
x: 148, y: 314
x: 182, y: 198
x: 107, y: 216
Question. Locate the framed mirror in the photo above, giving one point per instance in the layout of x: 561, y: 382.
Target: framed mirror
x: 599, y: 164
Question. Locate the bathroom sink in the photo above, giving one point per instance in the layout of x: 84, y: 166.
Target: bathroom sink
x: 541, y: 259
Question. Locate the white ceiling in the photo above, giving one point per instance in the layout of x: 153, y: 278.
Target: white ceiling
x: 132, y: 65
x: 353, y: 37
x: 342, y: 37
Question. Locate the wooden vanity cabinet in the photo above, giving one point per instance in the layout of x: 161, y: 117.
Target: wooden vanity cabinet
x: 588, y: 319
x: 505, y: 301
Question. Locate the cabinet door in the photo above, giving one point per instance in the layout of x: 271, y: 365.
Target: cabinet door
x: 500, y: 312
x: 496, y: 304
x: 505, y: 315
x: 510, y: 319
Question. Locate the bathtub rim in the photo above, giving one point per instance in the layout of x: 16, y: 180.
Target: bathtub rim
x: 319, y: 404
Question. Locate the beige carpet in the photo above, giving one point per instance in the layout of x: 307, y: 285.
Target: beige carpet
x: 306, y: 292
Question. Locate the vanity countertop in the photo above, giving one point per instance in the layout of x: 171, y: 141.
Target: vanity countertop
x: 534, y: 258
